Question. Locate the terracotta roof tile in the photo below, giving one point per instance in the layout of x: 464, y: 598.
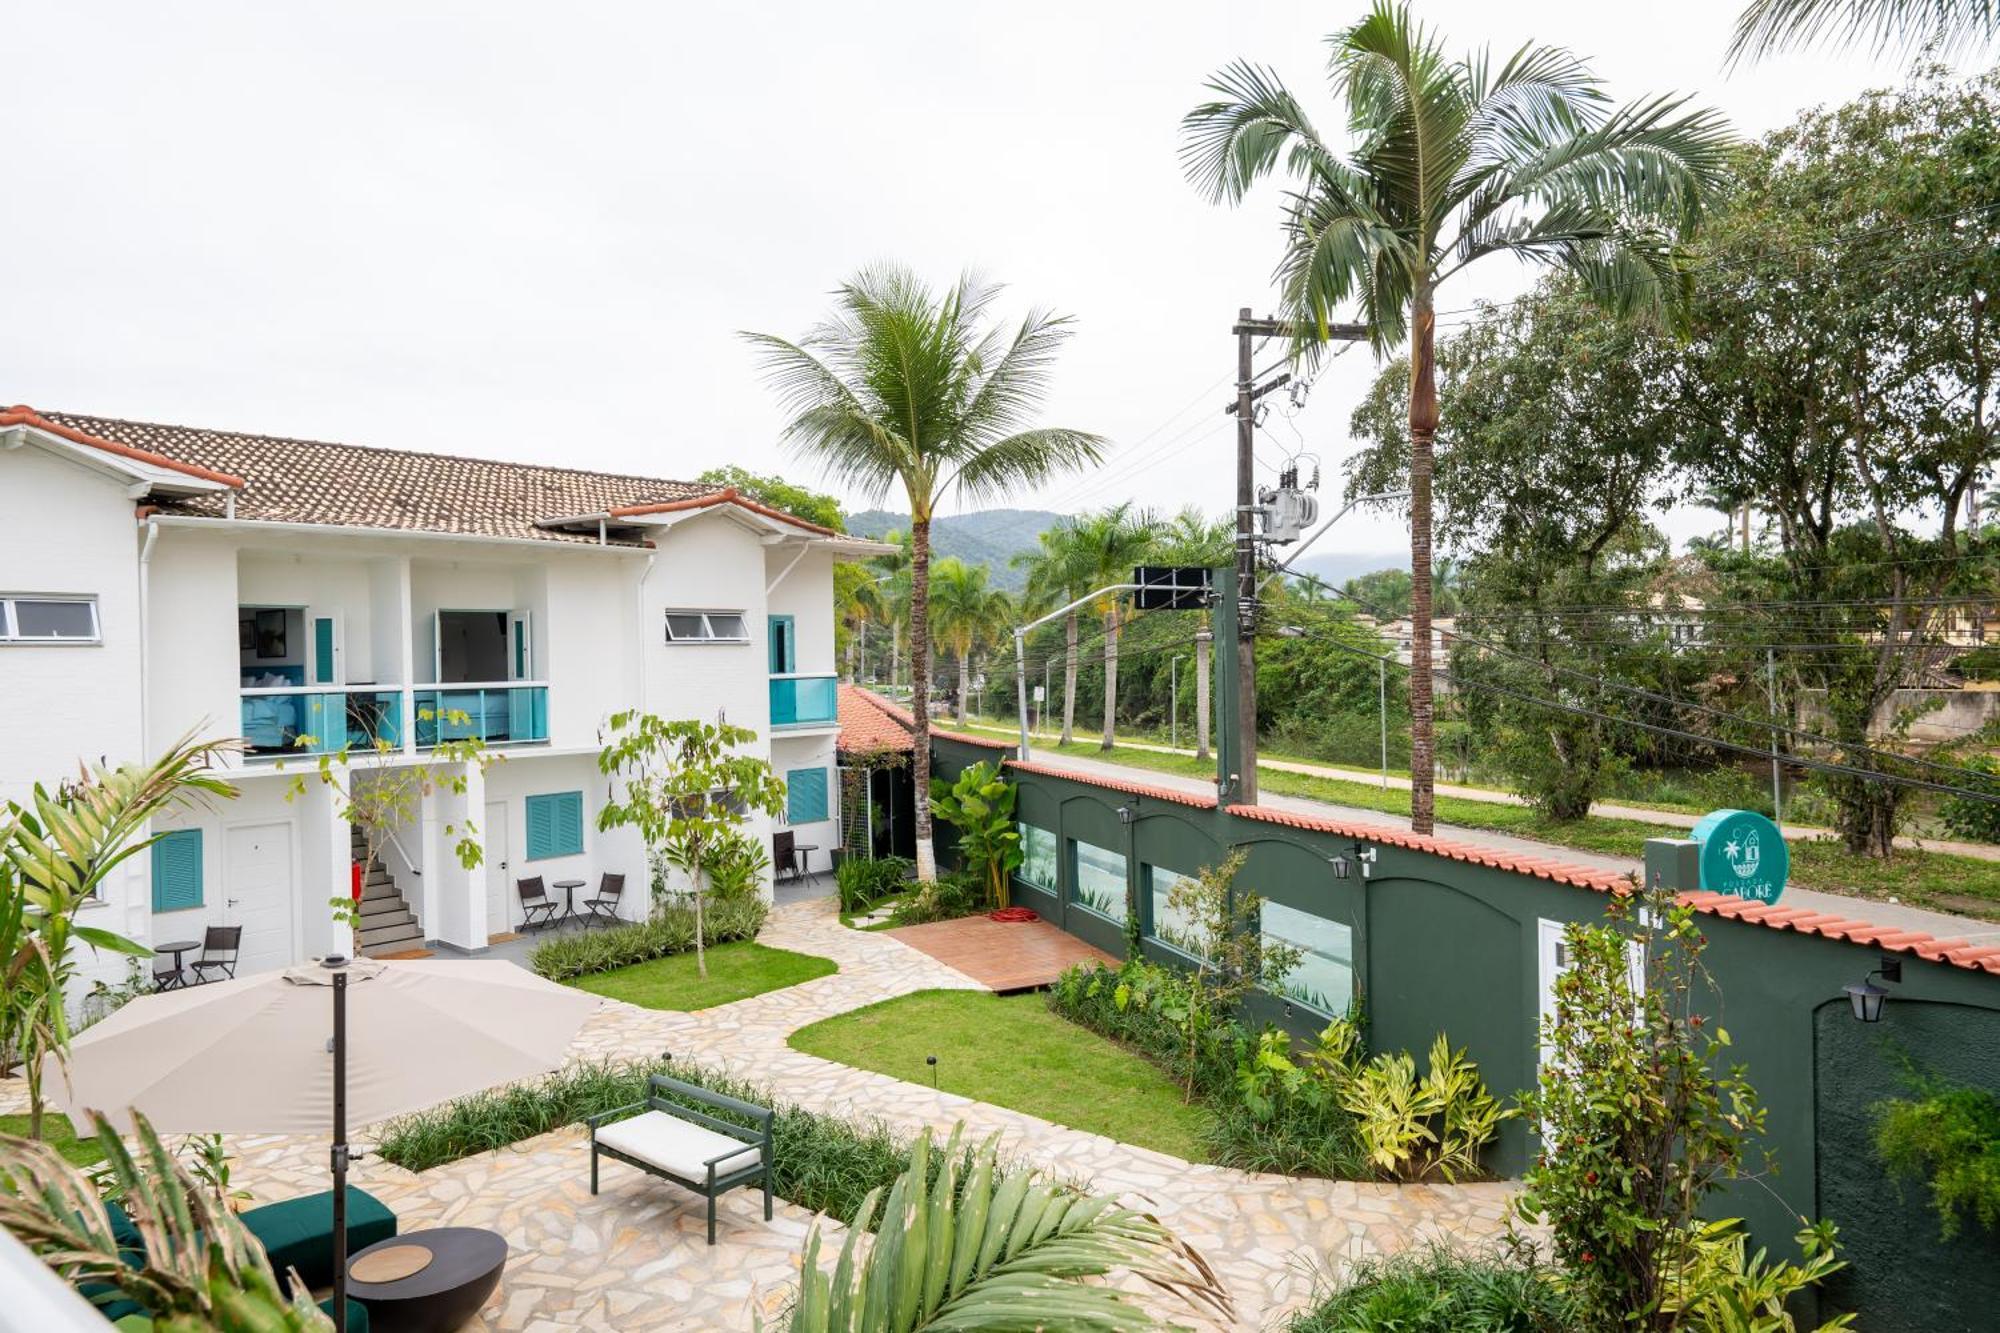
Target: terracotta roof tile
x: 1954, y: 952
x: 902, y: 719
x: 22, y: 415
x: 865, y: 728
x: 316, y: 481
x: 1177, y: 797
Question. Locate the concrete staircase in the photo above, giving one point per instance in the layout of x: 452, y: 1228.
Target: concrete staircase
x: 387, y: 924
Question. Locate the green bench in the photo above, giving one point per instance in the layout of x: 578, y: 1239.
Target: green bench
x: 691, y: 1148
x: 295, y: 1234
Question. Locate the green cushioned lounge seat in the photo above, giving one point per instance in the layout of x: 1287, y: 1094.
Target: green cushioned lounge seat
x: 298, y: 1233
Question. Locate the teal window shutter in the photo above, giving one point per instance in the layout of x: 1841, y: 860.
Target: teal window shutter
x: 177, y: 871
x: 323, y: 651
x: 784, y: 649
x: 805, y: 793
x: 555, y: 825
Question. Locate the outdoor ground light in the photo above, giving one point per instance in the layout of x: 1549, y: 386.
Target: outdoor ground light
x: 1867, y: 997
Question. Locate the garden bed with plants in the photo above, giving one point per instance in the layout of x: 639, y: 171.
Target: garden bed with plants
x: 668, y: 932
x: 820, y: 1162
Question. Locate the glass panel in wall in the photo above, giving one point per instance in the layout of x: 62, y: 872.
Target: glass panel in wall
x: 1038, y: 857
x: 1100, y: 879
x: 1170, y: 924
x: 1323, y: 979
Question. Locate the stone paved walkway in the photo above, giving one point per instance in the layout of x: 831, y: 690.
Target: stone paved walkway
x: 633, y: 1257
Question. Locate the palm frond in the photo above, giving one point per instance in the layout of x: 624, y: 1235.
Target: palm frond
x: 1230, y: 144
x: 979, y: 1252
x: 1943, y: 27
x: 1027, y: 458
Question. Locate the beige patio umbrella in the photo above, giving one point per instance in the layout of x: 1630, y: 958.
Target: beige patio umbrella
x: 307, y: 1049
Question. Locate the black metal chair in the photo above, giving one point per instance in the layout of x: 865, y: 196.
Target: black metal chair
x: 538, y: 910
x: 218, y: 954
x: 604, y: 907
x: 784, y: 855
x: 167, y: 973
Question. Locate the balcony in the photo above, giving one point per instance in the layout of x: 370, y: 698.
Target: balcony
x: 314, y: 719
x: 496, y: 713
x: 798, y: 702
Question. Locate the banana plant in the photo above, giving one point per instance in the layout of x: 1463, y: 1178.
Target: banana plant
x: 980, y: 805
x: 56, y: 852
x: 983, y: 1251
x: 195, y: 1268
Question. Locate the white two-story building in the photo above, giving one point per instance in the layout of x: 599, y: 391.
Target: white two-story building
x: 157, y: 580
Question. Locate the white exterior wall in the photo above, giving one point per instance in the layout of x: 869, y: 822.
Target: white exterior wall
x: 598, y: 640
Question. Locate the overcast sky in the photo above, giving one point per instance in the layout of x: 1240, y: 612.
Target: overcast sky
x: 531, y: 231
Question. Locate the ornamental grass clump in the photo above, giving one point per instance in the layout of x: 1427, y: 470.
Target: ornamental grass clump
x: 671, y: 930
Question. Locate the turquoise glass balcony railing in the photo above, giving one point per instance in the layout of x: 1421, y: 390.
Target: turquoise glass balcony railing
x: 318, y: 720
x: 505, y: 713
x: 804, y: 701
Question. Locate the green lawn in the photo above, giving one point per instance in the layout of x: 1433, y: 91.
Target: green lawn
x: 57, y: 1133
x: 1936, y: 880
x: 1011, y: 1051
x: 735, y: 972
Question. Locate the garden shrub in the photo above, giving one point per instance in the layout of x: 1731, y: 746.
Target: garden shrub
x: 820, y: 1162
x: 980, y: 805
x: 669, y: 931
x: 1437, y: 1290
x: 863, y: 882
x: 953, y: 894
x: 1949, y: 1137
x: 735, y: 866
x: 1415, y: 1127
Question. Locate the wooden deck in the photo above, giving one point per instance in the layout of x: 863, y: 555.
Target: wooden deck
x: 1001, y: 955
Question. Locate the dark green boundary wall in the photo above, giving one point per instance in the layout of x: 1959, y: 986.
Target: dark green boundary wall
x: 1445, y: 945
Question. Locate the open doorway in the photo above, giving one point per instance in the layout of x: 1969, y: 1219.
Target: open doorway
x: 472, y: 646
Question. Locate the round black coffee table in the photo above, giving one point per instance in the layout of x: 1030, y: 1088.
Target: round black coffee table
x: 464, y: 1268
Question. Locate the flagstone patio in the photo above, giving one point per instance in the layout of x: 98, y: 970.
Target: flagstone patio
x: 634, y: 1257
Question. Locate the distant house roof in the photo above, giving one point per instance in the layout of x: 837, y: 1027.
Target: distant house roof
x: 869, y: 722
x: 276, y: 479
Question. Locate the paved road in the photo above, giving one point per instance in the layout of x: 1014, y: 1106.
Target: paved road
x: 1880, y: 913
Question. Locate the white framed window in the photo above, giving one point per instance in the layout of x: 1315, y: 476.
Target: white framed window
x: 694, y: 626
x: 1553, y: 953
x: 32, y: 618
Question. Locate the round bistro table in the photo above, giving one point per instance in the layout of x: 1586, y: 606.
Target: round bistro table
x: 444, y: 1294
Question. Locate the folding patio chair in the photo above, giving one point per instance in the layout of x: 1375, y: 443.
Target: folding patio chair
x: 604, y: 907
x: 784, y: 856
x: 538, y: 910
x: 218, y: 953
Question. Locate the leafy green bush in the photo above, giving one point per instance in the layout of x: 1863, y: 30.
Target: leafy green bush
x: 820, y: 1162
x: 735, y: 866
x: 863, y: 882
x: 1413, y: 1127
x: 670, y: 931
x: 980, y: 805
x: 1969, y: 816
x: 1948, y: 1136
x: 1437, y: 1290
x: 954, y: 894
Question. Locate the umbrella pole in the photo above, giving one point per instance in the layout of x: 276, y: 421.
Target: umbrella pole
x: 340, y: 1151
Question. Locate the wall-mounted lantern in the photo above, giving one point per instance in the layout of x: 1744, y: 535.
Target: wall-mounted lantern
x: 1342, y: 867
x: 1126, y: 814
x: 1867, y: 997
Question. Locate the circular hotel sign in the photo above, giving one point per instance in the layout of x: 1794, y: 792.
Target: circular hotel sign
x: 1742, y: 854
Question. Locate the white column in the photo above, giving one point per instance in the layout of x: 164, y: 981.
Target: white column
x: 461, y: 893
x: 326, y: 859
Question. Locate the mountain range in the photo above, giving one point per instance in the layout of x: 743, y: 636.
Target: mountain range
x: 994, y: 536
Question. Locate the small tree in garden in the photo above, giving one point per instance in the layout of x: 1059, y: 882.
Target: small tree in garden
x: 1235, y: 957
x: 55, y: 855
x: 687, y: 790
x: 980, y: 805
x: 393, y: 794
x: 1639, y: 1120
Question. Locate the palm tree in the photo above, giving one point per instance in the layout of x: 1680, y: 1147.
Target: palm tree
x: 1453, y: 160
x: 1059, y: 572
x: 906, y: 387
x: 1943, y: 27
x: 1114, y: 541
x: 1193, y: 539
x: 857, y: 601
x: 966, y: 616
x: 983, y: 1249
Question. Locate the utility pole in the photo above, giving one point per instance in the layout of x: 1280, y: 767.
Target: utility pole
x: 1202, y: 639
x: 1248, y: 331
x: 1382, y: 705
x: 1246, y: 560
x: 1174, y: 703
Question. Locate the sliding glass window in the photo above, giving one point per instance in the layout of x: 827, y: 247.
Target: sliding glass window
x: 1100, y: 879
x: 1038, y: 857
x: 1323, y: 978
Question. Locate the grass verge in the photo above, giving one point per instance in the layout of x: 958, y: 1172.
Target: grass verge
x: 56, y: 1132
x: 1012, y: 1052
x: 735, y: 972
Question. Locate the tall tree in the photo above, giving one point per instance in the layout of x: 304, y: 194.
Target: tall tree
x: 903, y: 386
x: 799, y: 501
x: 1115, y: 541
x: 1452, y: 160
x: 967, y: 616
x: 1192, y: 538
x: 1059, y: 572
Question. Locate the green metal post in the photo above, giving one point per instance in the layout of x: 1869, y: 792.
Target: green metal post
x: 1229, y: 718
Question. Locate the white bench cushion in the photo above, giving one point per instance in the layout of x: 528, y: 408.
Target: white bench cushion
x: 677, y: 1147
